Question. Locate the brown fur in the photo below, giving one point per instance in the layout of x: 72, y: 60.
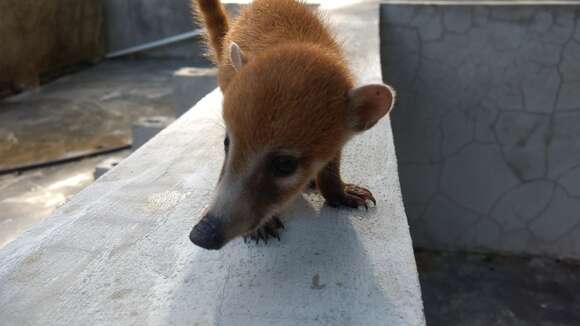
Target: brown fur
x: 276, y: 37
x: 212, y: 15
x: 293, y: 93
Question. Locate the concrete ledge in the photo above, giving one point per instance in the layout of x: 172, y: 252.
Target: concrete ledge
x: 118, y: 253
x: 106, y: 166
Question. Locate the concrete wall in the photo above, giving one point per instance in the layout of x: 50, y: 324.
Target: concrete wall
x: 41, y: 37
x: 487, y: 127
x: 135, y: 22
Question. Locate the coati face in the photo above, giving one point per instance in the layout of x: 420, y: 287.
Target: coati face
x: 287, y: 114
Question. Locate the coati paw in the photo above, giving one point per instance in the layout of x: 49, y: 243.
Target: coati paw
x: 269, y: 230
x: 354, y: 197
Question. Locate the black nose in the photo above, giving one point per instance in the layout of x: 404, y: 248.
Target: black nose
x: 208, y: 233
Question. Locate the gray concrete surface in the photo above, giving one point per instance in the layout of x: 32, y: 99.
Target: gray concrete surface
x: 83, y: 113
x: 131, y: 23
x: 190, y: 85
x: 134, y: 22
x: 80, y: 114
x: 486, y: 129
x: 119, y: 252
x: 105, y: 166
x: 490, y: 290
x: 30, y: 197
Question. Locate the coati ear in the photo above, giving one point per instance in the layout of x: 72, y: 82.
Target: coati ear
x: 236, y: 56
x: 369, y: 104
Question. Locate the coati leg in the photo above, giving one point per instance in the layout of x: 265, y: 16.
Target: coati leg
x: 336, y: 192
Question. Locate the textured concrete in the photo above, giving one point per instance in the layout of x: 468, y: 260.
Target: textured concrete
x: 105, y: 166
x: 487, y: 127
x: 119, y: 251
x: 84, y: 113
x: 482, y: 290
x: 30, y: 197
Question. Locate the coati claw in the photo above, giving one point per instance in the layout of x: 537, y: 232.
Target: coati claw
x: 278, y: 223
x: 272, y: 233
x: 355, y: 197
x: 270, y: 229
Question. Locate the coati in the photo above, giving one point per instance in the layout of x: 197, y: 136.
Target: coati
x: 289, y: 107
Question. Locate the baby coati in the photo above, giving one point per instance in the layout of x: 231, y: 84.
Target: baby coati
x: 289, y: 107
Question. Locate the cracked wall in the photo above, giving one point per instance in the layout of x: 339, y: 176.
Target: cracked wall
x: 487, y: 125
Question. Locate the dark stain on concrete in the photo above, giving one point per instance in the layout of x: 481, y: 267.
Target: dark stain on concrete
x: 316, y: 283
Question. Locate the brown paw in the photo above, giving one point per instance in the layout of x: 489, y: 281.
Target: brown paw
x: 268, y: 230
x: 354, y: 197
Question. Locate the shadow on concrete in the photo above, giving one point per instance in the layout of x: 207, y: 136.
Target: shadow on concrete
x: 318, y: 274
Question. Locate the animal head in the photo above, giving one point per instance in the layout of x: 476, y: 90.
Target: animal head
x: 287, y: 112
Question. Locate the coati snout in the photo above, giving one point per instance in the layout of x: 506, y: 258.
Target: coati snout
x: 208, y: 233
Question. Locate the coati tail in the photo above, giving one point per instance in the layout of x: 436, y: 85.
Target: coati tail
x: 211, y: 14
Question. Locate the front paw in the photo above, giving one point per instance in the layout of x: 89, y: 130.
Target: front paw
x: 354, y: 197
x: 268, y: 230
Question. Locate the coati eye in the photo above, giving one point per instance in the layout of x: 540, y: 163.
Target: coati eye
x: 284, y: 165
x: 227, y: 143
